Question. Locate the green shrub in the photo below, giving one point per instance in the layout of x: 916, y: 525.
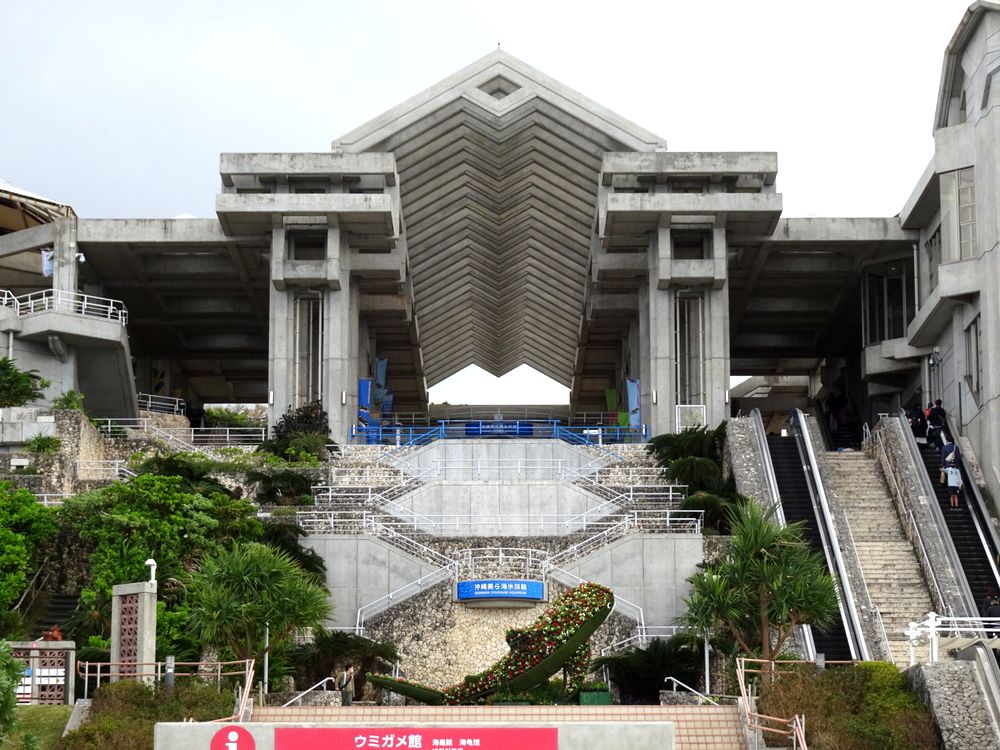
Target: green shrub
x: 43, y: 444
x: 68, y: 401
x: 123, y: 713
x: 19, y: 387
x: 863, y: 707
x: 223, y: 417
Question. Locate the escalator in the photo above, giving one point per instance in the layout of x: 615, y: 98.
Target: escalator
x: 796, y: 502
x: 966, y: 527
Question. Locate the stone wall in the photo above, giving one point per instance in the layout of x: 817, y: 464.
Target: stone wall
x: 742, y: 458
x: 931, y: 545
x: 954, y: 694
x: 440, y: 641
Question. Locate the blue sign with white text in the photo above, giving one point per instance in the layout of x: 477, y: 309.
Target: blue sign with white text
x: 501, y: 588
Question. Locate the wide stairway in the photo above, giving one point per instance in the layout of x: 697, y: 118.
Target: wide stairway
x: 895, y: 581
x: 697, y: 727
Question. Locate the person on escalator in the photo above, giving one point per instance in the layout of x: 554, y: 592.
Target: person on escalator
x: 949, y: 455
x: 936, y: 420
x: 954, y: 479
x: 918, y: 423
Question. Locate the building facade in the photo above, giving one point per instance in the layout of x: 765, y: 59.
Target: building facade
x: 500, y: 218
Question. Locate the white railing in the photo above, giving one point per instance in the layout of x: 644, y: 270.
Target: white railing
x: 74, y: 303
x: 104, y: 470
x: 937, y: 627
x: 793, y: 729
x: 403, y: 593
x: 873, y: 438
x: 526, y: 562
x: 868, y: 596
x: 642, y: 637
x: 160, y: 404
x: 622, y: 606
x: 193, y: 439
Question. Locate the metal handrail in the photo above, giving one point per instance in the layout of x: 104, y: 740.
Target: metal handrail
x: 32, y: 589
x: 794, y: 727
x: 308, y: 690
x: 868, y: 596
x: 72, y: 302
x: 831, y: 546
x: 874, y: 439
x: 161, y: 404
x: 760, y: 439
x: 927, y: 490
x: 690, y: 689
x: 401, y: 594
x: 987, y: 529
x: 628, y: 609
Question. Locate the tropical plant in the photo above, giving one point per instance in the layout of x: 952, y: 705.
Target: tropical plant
x: 717, y: 509
x: 25, y: 526
x: 766, y: 582
x: 277, y: 486
x: 333, y: 648
x: 43, y: 444
x: 19, y: 387
x: 286, y: 536
x: 238, y: 593
x: 300, y: 432
x: 69, y: 401
x: 11, y: 671
x: 639, y: 672
x: 699, y: 442
x: 222, y: 417
x: 152, y: 516
x: 194, y: 470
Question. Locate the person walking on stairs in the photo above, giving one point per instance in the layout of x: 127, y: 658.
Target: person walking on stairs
x: 346, y: 685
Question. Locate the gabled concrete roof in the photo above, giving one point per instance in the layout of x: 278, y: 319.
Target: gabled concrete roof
x: 498, y: 173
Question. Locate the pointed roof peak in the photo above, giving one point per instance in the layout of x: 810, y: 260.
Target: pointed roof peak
x: 498, y: 82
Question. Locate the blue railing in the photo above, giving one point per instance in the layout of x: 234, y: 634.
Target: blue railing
x: 409, y: 435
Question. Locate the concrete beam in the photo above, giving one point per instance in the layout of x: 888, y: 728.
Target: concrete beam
x: 319, y: 164
x: 690, y: 164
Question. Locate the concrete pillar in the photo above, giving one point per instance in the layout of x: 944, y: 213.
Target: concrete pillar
x: 133, y: 627
x: 655, y: 334
x: 65, y: 274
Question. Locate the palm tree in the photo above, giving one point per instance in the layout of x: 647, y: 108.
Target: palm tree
x: 766, y: 582
x: 195, y: 471
x: 285, y: 536
x: 237, y: 594
x: 639, y: 672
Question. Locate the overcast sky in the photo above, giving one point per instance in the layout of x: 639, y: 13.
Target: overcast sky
x: 122, y: 108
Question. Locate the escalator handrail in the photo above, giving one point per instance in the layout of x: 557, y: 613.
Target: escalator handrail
x: 987, y: 534
x: 852, y: 622
x: 760, y: 438
x: 927, y: 489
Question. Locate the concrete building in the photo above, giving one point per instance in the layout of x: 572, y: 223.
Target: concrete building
x: 499, y: 218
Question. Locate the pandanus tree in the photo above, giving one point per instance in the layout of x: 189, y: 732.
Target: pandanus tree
x: 766, y: 582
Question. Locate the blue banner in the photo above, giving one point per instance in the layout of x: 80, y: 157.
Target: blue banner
x: 381, y: 366
x: 632, y: 389
x: 501, y: 588
x: 364, y: 401
x: 495, y: 429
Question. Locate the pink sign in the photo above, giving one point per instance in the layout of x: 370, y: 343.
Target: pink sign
x: 384, y: 738
x: 232, y: 738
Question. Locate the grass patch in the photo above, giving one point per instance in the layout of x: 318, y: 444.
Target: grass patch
x: 865, y: 707
x: 46, y: 723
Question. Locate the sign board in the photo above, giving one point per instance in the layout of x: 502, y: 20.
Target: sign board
x: 454, y: 738
x: 498, y: 429
x: 501, y: 588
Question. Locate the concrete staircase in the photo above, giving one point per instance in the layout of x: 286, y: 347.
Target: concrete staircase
x: 895, y: 580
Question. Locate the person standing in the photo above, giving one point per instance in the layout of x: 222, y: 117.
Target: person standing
x: 954, y: 479
x: 346, y: 685
x: 937, y: 418
x: 949, y: 454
